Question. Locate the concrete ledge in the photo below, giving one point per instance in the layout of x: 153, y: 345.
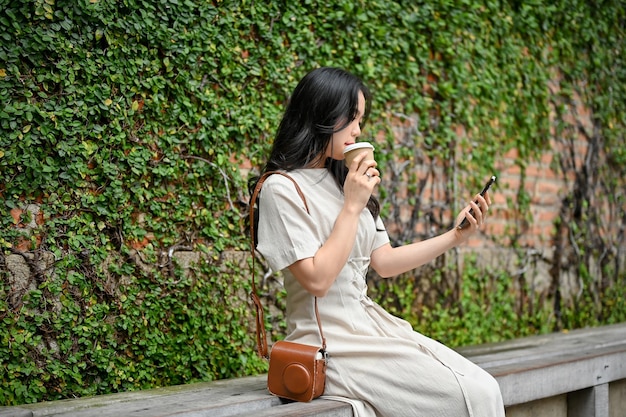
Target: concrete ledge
x: 577, y: 369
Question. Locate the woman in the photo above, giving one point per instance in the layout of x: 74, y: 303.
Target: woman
x: 376, y: 361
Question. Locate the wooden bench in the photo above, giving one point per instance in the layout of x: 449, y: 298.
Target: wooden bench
x: 581, y: 373
x: 577, y: 374
x: 232, y: 397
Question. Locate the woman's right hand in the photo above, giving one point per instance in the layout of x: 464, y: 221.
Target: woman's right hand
x: 360, y: 182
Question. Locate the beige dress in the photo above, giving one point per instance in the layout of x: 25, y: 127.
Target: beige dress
x: 377, y: 362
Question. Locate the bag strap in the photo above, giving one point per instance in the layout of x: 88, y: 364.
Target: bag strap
x: 261, y: 338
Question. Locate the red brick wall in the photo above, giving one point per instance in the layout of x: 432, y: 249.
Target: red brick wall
x: 544, y: 186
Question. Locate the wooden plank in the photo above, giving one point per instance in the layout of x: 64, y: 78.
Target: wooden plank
x: 15, y: 412
x: 547, y: 381
x: 316, y: 408
x: 576, y: 344
x: 215, y: 399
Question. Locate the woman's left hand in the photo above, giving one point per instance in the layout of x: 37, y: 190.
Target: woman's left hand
x: 479, y: 206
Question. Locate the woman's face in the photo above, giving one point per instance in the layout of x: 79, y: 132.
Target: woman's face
x: 347, y: 135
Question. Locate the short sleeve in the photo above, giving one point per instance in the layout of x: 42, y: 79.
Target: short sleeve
x: 286, y: 232
x: 381, y: 237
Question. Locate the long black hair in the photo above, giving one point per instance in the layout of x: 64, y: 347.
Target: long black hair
x: 324, y: 102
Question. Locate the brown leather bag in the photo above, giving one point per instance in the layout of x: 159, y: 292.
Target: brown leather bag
x: 297, y: 371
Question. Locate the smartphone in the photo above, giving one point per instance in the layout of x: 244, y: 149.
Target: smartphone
x: 482, y: 193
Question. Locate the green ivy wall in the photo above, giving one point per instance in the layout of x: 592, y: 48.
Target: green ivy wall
x: 125, y: 125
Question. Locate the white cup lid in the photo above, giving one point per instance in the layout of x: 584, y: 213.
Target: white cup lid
x: 358, y: 145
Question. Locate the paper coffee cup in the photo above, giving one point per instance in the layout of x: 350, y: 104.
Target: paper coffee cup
x: 356, y: 149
